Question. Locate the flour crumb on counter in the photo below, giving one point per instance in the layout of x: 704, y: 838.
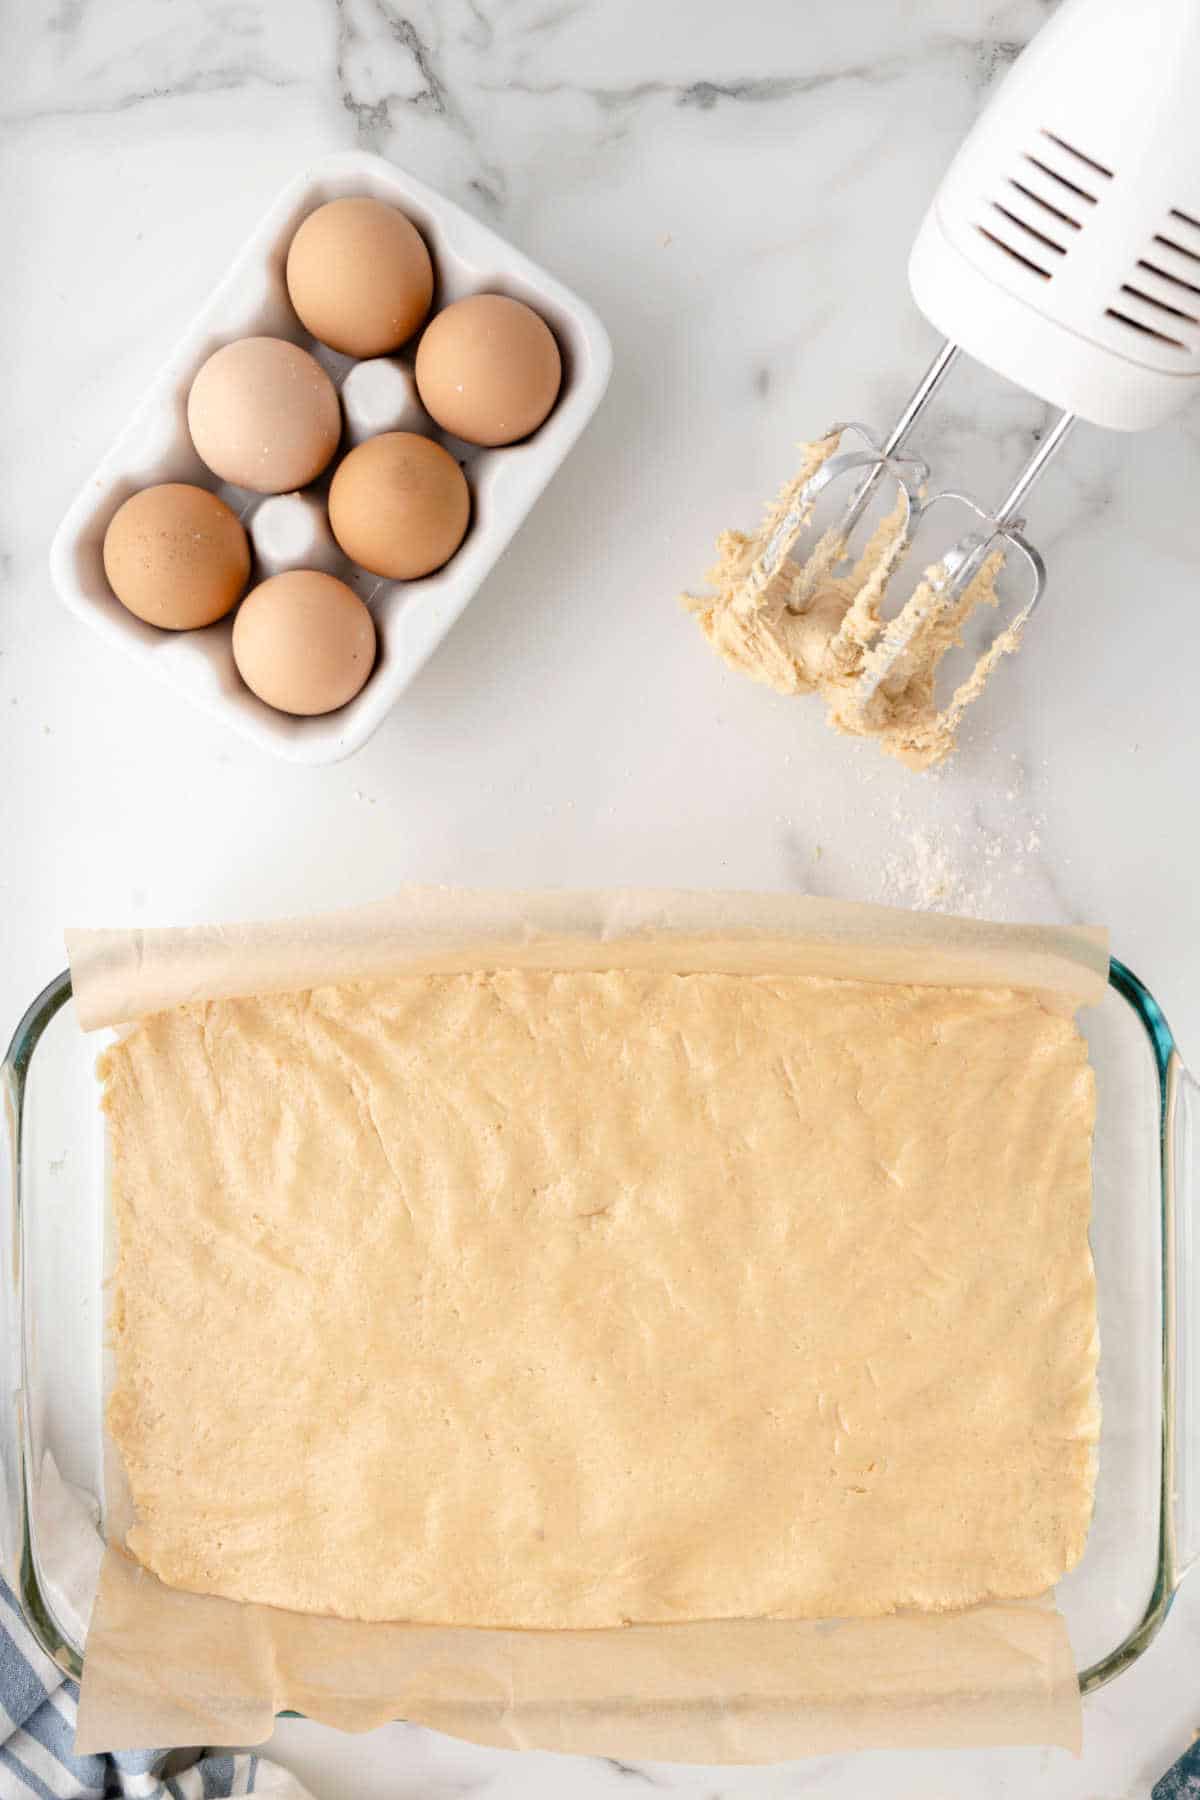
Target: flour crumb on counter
x: 956, y: 868
x: 980, y: 862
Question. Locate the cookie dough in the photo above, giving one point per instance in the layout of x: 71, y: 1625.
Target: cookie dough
x: 808, y: 628
x: 564, y: 1300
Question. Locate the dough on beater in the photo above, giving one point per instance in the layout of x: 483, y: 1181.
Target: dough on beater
x: 565, y: 1300
x: 832, y: 639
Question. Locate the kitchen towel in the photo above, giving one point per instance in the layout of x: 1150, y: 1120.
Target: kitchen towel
x: 1182, y: 1780
x: 37, y: 1718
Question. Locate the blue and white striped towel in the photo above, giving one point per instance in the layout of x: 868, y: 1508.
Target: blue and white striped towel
x: 37, y: 1722
x: 1183, y: 1781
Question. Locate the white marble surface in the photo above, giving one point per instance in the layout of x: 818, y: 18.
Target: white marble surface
x: 734, y: 188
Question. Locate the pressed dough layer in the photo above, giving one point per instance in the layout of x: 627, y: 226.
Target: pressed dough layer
x: 567, y: 1300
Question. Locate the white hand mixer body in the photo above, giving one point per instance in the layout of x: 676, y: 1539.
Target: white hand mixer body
x: 1061, y: 250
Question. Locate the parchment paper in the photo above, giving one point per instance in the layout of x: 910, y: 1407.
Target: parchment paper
x: 122, y: 975
x: 165, y: 1667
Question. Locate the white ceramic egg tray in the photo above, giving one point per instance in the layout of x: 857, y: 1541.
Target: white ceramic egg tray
x: 411, y: 617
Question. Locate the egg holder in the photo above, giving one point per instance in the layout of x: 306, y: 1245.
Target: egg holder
x: 411, y: 617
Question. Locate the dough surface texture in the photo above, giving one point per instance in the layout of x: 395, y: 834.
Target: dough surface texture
x: 819, y: 626
x: 566, y: 1300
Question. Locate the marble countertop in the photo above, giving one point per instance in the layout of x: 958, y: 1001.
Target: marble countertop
x: 735, y: 190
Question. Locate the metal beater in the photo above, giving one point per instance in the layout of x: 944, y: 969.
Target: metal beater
x: 1062, y: 250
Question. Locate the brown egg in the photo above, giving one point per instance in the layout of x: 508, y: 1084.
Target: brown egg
x: 359, y: 276
x: 488, y: 369
x: 264, y: 414
x: 303, y: 642
x: 399, y: 505
x: 176, y: 556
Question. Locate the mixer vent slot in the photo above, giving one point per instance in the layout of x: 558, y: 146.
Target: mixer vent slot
x: 1181, y: 235
x: 1017, y: 256
x: 1089, y: 162
x: 1112, y: 312
x: 1161, y: 298
x: 1042, y: 206
x: 1186, y: 288
x: 1030, y: 232
x: 1045, y: 203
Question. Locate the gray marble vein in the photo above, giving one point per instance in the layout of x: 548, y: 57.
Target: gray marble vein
x: 66, y: 16
x: 986, y: 58
x: 360, y: 24
x: 636, y: 1773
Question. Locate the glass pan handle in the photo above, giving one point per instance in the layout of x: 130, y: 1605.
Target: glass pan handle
x: 12, y: 1485
x: 1181, y: 1173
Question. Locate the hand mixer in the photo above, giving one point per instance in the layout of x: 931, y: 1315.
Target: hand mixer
x: 1062, y: 250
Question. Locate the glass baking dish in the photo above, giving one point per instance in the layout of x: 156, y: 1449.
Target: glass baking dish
x: 1144, y: 1535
